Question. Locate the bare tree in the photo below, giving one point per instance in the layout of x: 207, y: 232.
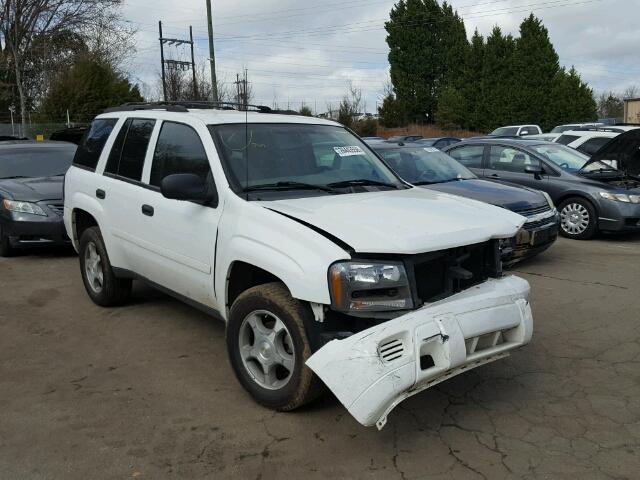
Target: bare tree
x: 350, y: 106
x: 180, y: 86
x: 632, y: 91
x: 25, y: 23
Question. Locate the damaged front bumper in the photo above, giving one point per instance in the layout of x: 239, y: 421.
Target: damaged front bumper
x: 372, y: 371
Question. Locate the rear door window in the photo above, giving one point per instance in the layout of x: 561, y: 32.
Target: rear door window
x: 470, y: 156
x: 93, y: 142
x: 130, y: 149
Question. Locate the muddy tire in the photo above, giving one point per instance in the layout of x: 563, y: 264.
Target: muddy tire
x: 102, y: 285
x: 268, y: 347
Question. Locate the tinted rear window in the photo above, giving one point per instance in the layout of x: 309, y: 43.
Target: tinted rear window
x: 592, y: 145
x: 567, y: 139
x: 93, y: 143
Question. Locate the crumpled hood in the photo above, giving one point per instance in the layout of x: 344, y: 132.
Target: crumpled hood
x: 402, y: 221
x: 33, y: 189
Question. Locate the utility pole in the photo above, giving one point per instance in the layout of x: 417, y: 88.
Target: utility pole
x: 177, y: 64
x: 193, y: 65
x: 212, y: 55
x: 164, y: 78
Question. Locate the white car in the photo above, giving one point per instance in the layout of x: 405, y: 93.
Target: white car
x: 324, y: 264
x: 516, y: 131
x: 574, y: 126
x: 586, y: 141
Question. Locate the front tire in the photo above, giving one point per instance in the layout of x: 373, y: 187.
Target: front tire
x: 578, y: 219
x: 102, y: 285
x: 5, y: 246
x: 268, y: 347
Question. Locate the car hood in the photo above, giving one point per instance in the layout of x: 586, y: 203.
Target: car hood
x: 407, y: 221
x: 506, y: 196
x: 33, y: 189
x: 624, y: 149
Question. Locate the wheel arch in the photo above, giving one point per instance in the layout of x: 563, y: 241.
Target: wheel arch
x: 242, y: 276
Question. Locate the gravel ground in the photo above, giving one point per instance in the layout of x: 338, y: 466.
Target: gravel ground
x: 146, y: 391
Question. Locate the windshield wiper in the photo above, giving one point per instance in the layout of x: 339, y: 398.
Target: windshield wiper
x: 456, y: 179
x: 362, y: 182
x: 288, y: 186
x: 13, y: 177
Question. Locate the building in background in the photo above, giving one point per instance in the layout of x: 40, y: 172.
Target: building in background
x: 632, y: 110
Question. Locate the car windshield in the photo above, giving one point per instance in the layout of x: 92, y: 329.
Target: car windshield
x: 30, y: 162
x: 424, y: 166
x: 562, y: 128
x: 314, y: 159
x: 505, y: 131
x: 569, y: 159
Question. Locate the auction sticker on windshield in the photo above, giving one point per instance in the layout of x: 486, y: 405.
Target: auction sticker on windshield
x: 349, y: 151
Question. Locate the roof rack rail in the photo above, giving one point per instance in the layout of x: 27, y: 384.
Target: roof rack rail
x: 185, y: 106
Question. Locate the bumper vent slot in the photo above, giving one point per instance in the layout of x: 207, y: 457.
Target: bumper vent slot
x: 483, y: 342
x: 391, y: 350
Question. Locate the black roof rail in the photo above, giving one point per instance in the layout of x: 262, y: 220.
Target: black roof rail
x: 185, y: 106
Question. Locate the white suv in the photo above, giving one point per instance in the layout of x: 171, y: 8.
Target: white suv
x: 319, y: 257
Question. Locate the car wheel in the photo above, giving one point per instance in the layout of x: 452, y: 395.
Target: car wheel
x: 268, y: 347
x: 578, y: 219
x: 5, y: 246
x: 102, y: 285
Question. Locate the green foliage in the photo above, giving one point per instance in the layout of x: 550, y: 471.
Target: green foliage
x: 482, y: 84
x: 366, y: 128
x: 306, y: 111
x: 392, y: 112
x: 86, y: 89
x: 427, y: 45
x: 610, y: 105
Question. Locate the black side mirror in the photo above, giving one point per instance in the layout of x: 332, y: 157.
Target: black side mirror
x: 535, y: 170
x: 188, y: 187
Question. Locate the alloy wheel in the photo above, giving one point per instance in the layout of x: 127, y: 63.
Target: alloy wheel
x: 266, y: 349
x: 93, y: 268
x: 574, y: 218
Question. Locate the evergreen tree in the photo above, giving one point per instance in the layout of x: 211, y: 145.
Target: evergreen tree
x: 86, y: 89
x: 535, y: 65
x: 471, y: 85
x: 570, y: 100
x: 495, y: 105
x: 415, y: 55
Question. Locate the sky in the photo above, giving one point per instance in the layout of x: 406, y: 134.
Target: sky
x: 299, y: 52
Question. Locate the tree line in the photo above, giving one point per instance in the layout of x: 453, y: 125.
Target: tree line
x: 439, y: 76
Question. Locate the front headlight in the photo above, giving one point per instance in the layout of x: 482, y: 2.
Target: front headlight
x: 549, y: 200
x: 364, y: 286
x: 23, y: 207
x: 621, y: 197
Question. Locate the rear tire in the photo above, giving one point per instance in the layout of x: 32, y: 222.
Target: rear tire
x: 102, y: 285
x: 268, y: 347
x: 578, y: 219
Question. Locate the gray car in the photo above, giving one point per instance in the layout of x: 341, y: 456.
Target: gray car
x: 591, y: 196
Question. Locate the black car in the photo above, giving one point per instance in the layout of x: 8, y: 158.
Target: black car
x: 438, y: 142
x: 405, y: 138
x: 591, y: 196
x: 432, y: 169
x: 31, y: 205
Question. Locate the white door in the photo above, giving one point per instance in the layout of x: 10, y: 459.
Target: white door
x: 179, y: 236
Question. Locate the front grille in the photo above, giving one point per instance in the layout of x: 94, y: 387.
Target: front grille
x: 540, y: 223
x: 57, y: 207
x: 529, y: 212
x: 442, y: 274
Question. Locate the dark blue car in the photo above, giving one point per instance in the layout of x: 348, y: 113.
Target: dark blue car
x: 430, y: 168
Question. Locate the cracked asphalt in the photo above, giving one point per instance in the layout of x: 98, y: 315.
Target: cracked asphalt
x: 146, y: 391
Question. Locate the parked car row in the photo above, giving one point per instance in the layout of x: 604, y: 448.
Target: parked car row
x: 373, y: 270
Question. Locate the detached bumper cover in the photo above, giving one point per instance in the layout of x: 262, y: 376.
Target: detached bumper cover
x: 373, y: 371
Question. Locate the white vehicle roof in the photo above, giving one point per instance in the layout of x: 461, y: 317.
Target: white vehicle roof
x: 587, y: 134
x: 219, y: 117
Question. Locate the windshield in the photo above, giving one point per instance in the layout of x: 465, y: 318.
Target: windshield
x: 568, y: 159
x: 505, y: 131
x: 36, y: 161
x: 562, y: 128
x: 423, y: 166
x: 316, y: 159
